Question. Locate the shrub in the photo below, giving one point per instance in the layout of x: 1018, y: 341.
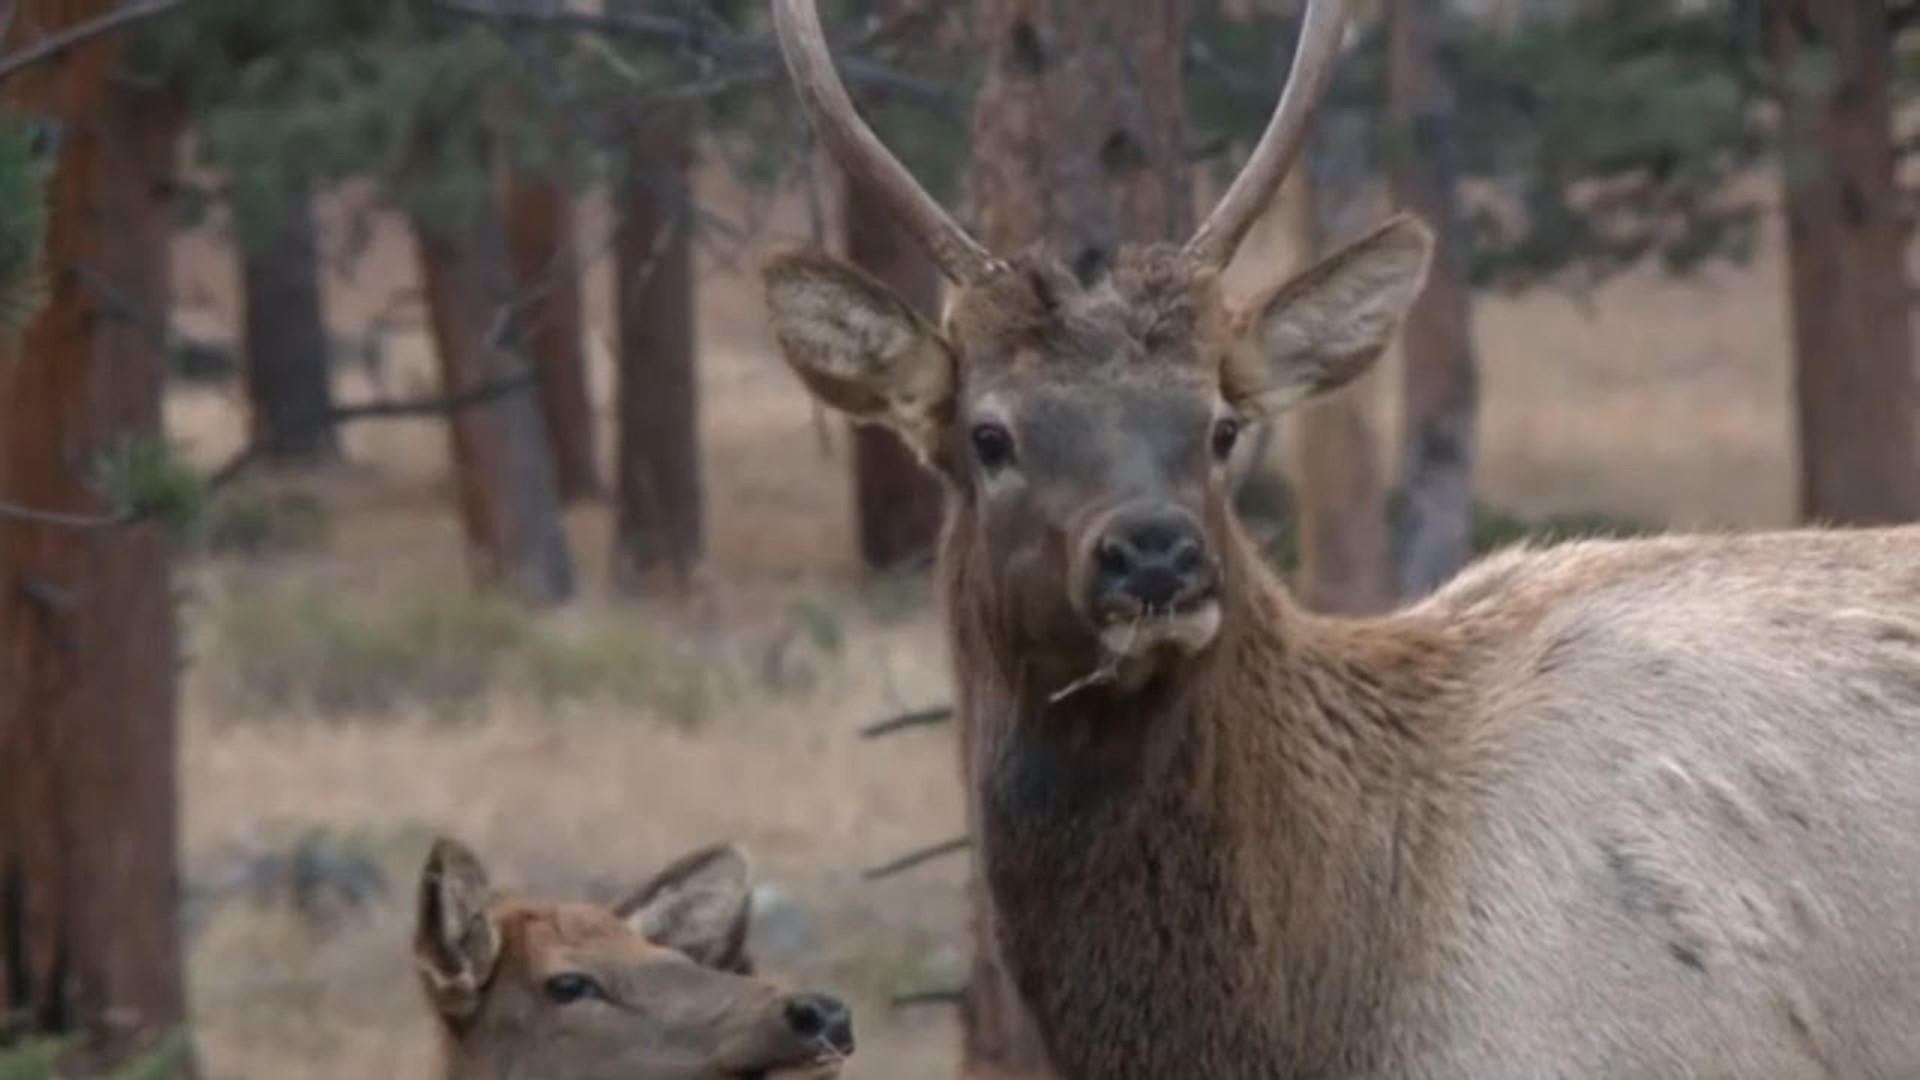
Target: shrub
x: 290, y: 652
x: 43, y: 1058
x: 253, y: 519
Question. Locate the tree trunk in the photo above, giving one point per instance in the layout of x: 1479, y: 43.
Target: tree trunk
x: 288, y: 370
x: 509, y: 505
x: 1433, y: 534
x: 897, y: 500
x: 1345, y: 565
x: 540, y: 233
x: 1079, y: 128
x: 1853, y: 342
x: 1078, y: 145
x: 88, y: 815
x: 659, y: 506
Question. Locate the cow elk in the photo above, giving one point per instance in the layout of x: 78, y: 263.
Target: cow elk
x: 1631, y: 808
x: 657, y: 987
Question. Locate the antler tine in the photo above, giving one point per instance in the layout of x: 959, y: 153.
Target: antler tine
x: 861, y: 153
x: 1216, y: 240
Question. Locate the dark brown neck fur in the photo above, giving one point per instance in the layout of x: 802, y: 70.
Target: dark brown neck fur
x: 1215, y: 876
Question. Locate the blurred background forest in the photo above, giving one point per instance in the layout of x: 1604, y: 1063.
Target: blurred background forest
x: 391, y: 440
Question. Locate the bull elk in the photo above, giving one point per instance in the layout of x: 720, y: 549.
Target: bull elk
x: 657, y: 987
x: 1636, y: 808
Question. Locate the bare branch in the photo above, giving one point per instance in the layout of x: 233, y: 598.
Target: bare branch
x: 952, y: 995
x: 917, y: 718
x: 246, y: 456
x: 54, y: 44
x: 15, y: 512
x: 914, y: 858
x: 174, y: 345
x: 713, y: 42
x: 437, y: 405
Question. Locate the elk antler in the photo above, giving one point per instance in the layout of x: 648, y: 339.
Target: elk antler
x: 861, y: 153
x: 1216, y: 240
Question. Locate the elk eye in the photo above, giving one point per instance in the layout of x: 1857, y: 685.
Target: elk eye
x: 569, y: 987
x: 992, y: 446
x: 1226, y: 432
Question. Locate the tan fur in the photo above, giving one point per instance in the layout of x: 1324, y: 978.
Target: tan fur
x: 674, y: 996
x: 1618, y: 809
x: 1639, y: 808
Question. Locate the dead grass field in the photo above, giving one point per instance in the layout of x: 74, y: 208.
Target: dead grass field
x: 1665, y: 402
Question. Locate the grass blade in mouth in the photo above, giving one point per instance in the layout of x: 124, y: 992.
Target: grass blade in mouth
x: 1108, y: 670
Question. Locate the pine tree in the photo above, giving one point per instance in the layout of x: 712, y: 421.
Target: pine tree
x: 87, y: 694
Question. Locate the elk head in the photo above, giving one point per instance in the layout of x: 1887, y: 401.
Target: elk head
x: 1083, y: 428
x: 654, y: 988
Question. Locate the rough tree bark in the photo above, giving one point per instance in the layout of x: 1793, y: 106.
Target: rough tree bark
x: 659, y: 506
x: 540, y: 238
x: 1853, y: 341
x: 1078, y: 137
x: 288, y: 370
x: 1079, y: 128
x: 88, y: 813
x: 1345, y: 565
x: 1433, y: 536
x: 897, y: 501
x: 509, y: 504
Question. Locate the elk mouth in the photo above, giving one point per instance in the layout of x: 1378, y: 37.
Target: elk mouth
x: 824, y: 1066
x: 1131, y: 630
x: 1136, y: 641
x: 824, y: 1061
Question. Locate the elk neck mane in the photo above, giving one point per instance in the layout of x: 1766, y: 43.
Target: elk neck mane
x: 1290, y: 768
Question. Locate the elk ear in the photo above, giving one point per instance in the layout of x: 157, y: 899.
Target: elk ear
x: 1325, y: 327
x: 699, y: 904
x: 859, y: 347
x: 455, y: 941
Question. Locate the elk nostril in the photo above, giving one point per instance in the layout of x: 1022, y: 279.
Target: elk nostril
x: 1112, y: 559
x: 1186, y: 558
x: 807, y: 1017
x: 822, y: 1018
x: 840, y: 1029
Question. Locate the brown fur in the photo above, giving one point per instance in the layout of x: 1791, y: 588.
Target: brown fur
x: 673, y: 997
x: 1613, y: 809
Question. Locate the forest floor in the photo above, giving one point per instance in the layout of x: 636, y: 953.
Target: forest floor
x: 347, y: 698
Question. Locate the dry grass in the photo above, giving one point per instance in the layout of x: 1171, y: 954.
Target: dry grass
x: 1668, y: 403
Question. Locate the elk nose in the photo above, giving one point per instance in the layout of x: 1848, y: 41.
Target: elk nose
x: 817, y: 1016
x: 1152, y: 558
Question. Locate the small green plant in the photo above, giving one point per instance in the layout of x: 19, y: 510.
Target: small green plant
x: 301, y: 651
x: 25, y: 161
x: 626, y: 668
x: 255, y: 519
x: 143, y: 475
x: 30, y: 1059
x: 289, y: 652
x: 813, y: 618
x: 42, y: 1057
x: 893, y: 596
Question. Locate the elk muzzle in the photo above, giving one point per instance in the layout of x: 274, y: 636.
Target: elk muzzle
x: 1152, y: 579
x: 800, y: 1036
x: 821, y: 1019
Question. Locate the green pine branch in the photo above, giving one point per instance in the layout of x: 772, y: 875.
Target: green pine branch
x: 25, y: 164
